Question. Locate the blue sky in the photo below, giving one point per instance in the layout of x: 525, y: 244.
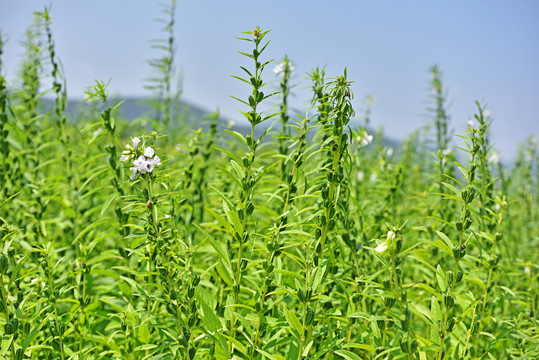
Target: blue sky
x: 487, y: 50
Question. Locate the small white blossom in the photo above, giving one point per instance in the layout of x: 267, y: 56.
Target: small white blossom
x: 381, y: 248
x: 360, y: 175
x: 364, y: 139
x: 373, y: 177
x: 447, y: 152
x: 136, y: 141
x: 470, y: 123
x: 280, y: 68
x: 156, y: 161
x: 497, y: 207
x: 494, y: 158
x: 390, y: 235
x: 148, y: 152
x: 230, y: 124
x: 125, y: 157
x: 487, y: 113
x: 167, y: 216
x: 527, y: 270
x: 389, y: 151
x: 38, y: 281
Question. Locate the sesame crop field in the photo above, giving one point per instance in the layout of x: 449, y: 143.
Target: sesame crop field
x: 304, y: 237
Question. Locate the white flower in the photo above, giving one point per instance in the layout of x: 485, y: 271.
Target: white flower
x: 470, y: 123
x: 156, y: 160
x: 148, y: 152
x: 373, y: 177
x: 167, y: 216
x: 230, y: 124
x: 381, y: 248
x: 487, y: 113
x: 125, y: 157
x: 390, y: 235
x: 497, y: 207
x: 280, y: 68
x: 447, y: 152
x: 360, y: 175
x: 364, y: 139
x: 527, y: 270
x: 389, y: 151
x: 494, y: 158
x: 139, y: 165
x: 38, y: 281
x: 136, y: 141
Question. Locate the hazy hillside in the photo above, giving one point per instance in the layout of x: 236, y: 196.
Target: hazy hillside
x: 188, y: 114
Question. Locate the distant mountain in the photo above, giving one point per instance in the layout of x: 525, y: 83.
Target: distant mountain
x: 189, y: 114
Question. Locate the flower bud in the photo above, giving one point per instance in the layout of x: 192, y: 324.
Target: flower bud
x: 389, y: 301
x: 301, y: 295
x: 451, y: 324
x: 249, y: 208
x: 467, y: 223
x: 3, y: 263
x: 192, y: 320
x: 449, y: 276
x: 404, y: 345
x: 448, y: 301
x: 398, y: 246
x: 19, y: 354
x: 309, y: 318
x: 171, y: 308
x: 331, y: 225
x: 308, y: 294
x: 458, y: 225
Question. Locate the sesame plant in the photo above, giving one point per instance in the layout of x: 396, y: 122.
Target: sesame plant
x: 307, y: 236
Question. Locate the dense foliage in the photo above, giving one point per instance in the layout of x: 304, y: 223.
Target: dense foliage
x: 307, y: 239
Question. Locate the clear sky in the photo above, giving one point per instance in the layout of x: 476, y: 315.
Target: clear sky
x: 487, y: 50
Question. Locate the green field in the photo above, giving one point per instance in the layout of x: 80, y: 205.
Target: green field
x: 305, y: 237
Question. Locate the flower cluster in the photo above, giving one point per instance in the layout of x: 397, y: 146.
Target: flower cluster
x: 280, y: 69
x: 144, y: 158
x: 384, y: 245
x: 364, y: 139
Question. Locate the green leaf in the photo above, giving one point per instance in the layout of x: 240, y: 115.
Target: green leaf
x: 435, y: 310
x: 366, y: 347
x: 238, y: 136
x: 348, y: 355
x: 317, y: 277
x: 442, y: 282
x: 293, y: 321
x: 446, y: 240
x: 269, y: 356
x: 207, y: 315
x: 28, y: 339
